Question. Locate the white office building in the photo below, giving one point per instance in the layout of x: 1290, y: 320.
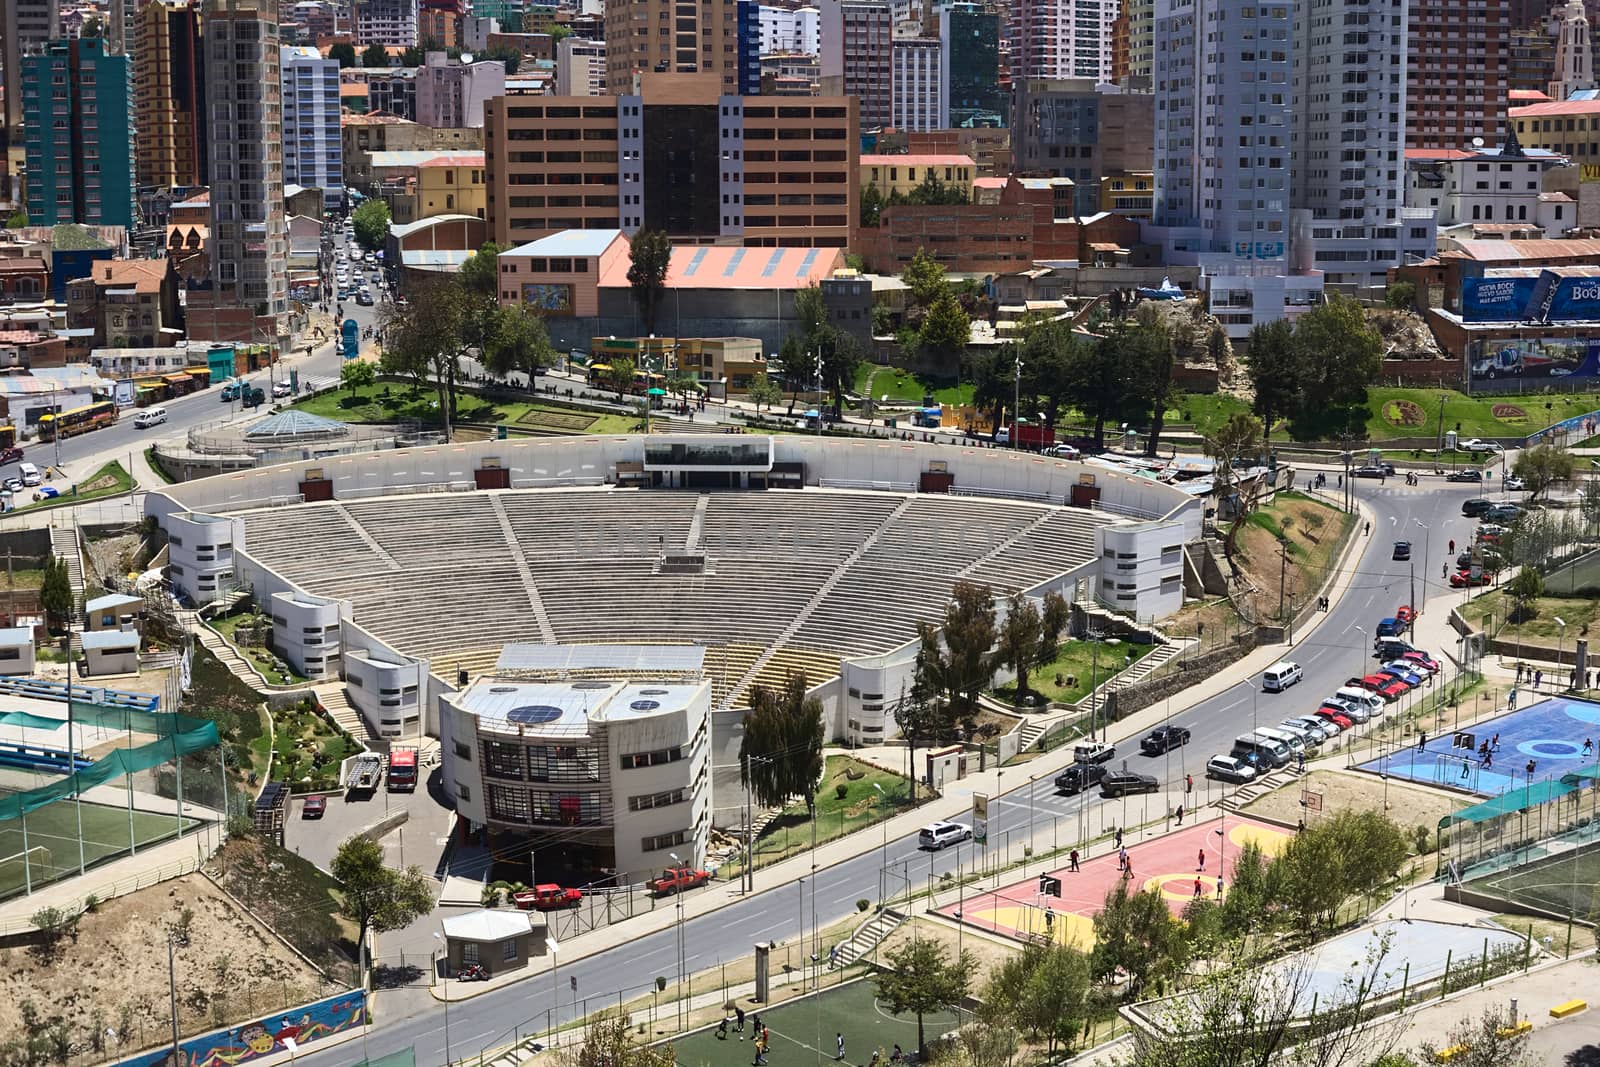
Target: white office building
x: 1055, y: 39
x: 614, y: 773
x: 312, y: 156
x: 1489, y: 190
x: 917, y: 83
x: 386, y: 22
x: 1222, y: 143
x: 580, y: 67
x: 1347, y: 142
x: 785, y: 30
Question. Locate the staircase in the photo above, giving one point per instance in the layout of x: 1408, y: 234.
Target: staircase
x: 331, y: 698
x: 867, y: 937
x: 64, y: 546
x: 218, y: 646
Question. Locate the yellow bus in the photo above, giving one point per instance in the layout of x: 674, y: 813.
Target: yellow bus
x: 74, y: 421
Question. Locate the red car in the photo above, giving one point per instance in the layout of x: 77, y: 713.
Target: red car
x: 1386, y: 686
x: 314, y: 808
x: 1335, y: 716
x: 1422, y: 659
x: 1405, y: 614
x: 1464, y: 579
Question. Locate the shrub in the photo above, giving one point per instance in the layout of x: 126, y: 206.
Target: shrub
x: 841, y: 791
x: 863, y: 904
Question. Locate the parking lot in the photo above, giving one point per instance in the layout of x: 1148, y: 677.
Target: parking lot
x: 420, y: 840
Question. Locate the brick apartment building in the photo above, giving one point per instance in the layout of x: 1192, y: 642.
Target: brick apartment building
x: 680, y: 157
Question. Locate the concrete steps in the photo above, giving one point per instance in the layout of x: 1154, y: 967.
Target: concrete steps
x: 332, y: 700
x: 64, y: 546
x: 868, y: 936
x: 218, y: 646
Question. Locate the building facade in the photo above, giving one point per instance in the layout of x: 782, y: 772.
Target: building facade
x: 790, y: 30
x: 450, y: 93
x: 580, y: 67
x: 313, y: 156
x: 919, y: 99
x: 26, y: 26
x: 78, y: 114
x: 169, y: 80
x: 969, y: 56
x: 386, y: 22
x: 857, y: 41
x: 664, y: 36
x: 393, y: 93
x: 1568, y: 127
x: 1078, y: 129
x: 1574, y: 67
x: 1061, y: 38
x: 1490, y: 185
x: 680, y: 158
x: 249, y: 245
x: 1457, y: 72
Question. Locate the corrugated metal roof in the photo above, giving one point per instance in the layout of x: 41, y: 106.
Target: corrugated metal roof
x: 568, y: 243
x: 581, y: 657
x: 728, y: 267
x: 918, y: 161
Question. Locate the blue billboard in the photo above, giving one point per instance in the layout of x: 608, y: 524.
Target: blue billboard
x: 1496, y: 299
x: 1575, y: 300
x: 1549, y: 297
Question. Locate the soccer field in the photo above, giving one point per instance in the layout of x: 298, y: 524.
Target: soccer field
x: 803, y: 1031
x: 1563, y: 884
x: 52, y: 840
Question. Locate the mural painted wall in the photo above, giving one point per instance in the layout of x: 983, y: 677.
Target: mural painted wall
x: 263, y: 1037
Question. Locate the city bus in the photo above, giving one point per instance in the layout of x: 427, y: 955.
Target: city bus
x: 74, y: 421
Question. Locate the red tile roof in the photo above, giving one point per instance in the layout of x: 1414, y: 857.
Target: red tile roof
x: 730, y: 267
x: 1557, y: 107
x: 1528, y: 96
x: 142, y: 275
x: 917, y: 161
x: 455, y: 159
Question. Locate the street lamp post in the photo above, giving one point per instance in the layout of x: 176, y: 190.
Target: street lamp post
x: 679, y: 861
x: 439, y: 938
x: 1561, y: 641
x: 1360, y: 660
x: 1016, y: 405
x: 883, y: 871
x: 1427, y: 545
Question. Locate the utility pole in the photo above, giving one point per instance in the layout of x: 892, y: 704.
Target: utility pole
x: 1283, y: 573
x: 172, y: 994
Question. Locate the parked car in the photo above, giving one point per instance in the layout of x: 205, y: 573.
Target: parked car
x: 547, y: 897
x: 10, y: 455
x: 1423, y: 660
x: 1094, y: 752
x: 1335, y: 716
x: 1465, y: 474
x: 1125, y: 783
x: 1402, y: 550
x: 1502, y: 513
x: 1164, y: 739
x: 1229, y: 769
x: 1080, y: 776
x: 314, y: 808
x: 1475, y: 444
x: 1354, y: 712
x: 282, y: 389
x: 13, y: 484
x: 1387, y: 686
x: 1513, y: 485
x: 1370, y: 471
x: 1475, y: 507
x: 1491, y: 560
x: 1490, y: 532
x: 1405, y: 614
x: 1329, y: 728
x: 1463, y: 579
x: 676, y: 880
x: 1401, y: 671
x: 940, y: 835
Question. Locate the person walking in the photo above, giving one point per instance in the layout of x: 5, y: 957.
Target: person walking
x: 1202, y: 860
x: 761, y: 1054
x: 839, y: 1036
x: 722, y: 1029
x: 1179, y: 813
x: 1072, y: 860
x: 1511, y: 699
x: 1538, y: 679
x: 1119, y: 837
x: 1422, y: 741
x: 1452, y: 546
x: 1197, y: 888
x: 1122, y: 859
x: 1302, y: 758
x: 738, y: 1021
x: 1588, y: 745
x: 1188, y: 783
x: 1494, y: 742
x: 1219, y: 887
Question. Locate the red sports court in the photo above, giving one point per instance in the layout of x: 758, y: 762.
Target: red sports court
x: 1170, y: 863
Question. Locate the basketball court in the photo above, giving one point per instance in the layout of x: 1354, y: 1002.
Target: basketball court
x: 1171, y: 864
x: 1550, y: 732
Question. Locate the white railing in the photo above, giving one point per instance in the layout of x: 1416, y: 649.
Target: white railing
x: 286, y: 500
x: 107, y: 890
x: 875, y: 486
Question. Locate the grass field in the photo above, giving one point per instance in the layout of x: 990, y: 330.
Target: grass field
x: 396, y: 401
x: 1578, y: 613
x: 1074, y: 666
x: 1563, y: 884
x: 861, y: 806
x: 55, y: 827
x: 803, y: 1031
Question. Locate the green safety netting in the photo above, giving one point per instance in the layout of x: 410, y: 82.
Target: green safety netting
x: 176, y: 735
x: 32, y: 722
x: 1510, y: 802
x: 1578, y: 777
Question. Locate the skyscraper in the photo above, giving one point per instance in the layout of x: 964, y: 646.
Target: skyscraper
x: 312, y: 156
x: 1347, y: 148
x: 25, y: 26
x: 664, y: 36
x: 169, y: 80
x: 77, y: 108
x: 1054, y: 39
x: 857, y: 39
x: 386, y: 22
x: 918, y: 94
x: 1223, y: 118
x: 1574, y: 66
x: 244, y: 116
x: 1456, y: 72
x: 969, y: 37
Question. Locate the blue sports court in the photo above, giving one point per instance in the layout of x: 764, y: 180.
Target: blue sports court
x: 1550, y: 732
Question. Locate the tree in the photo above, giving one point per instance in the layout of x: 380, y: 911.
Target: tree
x: 1101, y: 383
x: 357, y: 374
x: 982, y: 1043
x: 924, y: 277
x: 377, y: 897
x: 55, y: 593
x: 1030, y: 636
x: 1524, y: 589
x: 426, y: 338
x: 517, y: 341
x: 872, y: 204
x: 1326, y: 864
x: 953, y: 662
x: 1490, y: 1040
x: 1236, y: 441
x: 1252, y: 893
x: 371, y: 223
x: 931, y: 191
x: 1146, y: 347
x: 1545, y: 467
x: 1277, y: 372
x: 18, y: 219
x: 1589, y: 504
x: 1401, y: 296
x: 763, y: 391
x: 608, y: 1041
x: 1345, y: 351
x: 414, y: 56
x: 345, y: 53
x: 1137, y: 933
x: 620, y: 374
x: 480, y: 273
x: 649, y: 256
x: 509, y: 57
x: 923, y: 979
x: 374, y: 56
x: 781, y: 754
x: 1044, y: 991
x: 946, y: 330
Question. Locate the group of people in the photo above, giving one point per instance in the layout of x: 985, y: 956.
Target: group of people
x: 762, y: 1038
x: 1576, y: 679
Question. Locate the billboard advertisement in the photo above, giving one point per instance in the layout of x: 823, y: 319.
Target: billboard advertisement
x: 1495, y: 299
x: 1549, y: 297
x: 1560, y: 357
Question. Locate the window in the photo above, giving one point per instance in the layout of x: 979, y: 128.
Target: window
x: 657, y: 800
x: 661, y: 842
x: 508, y: 949
x: 463, y: 792
x: 463, y: 751
x: 636, y: 760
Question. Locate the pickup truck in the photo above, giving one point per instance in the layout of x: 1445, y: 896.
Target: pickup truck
x: 676, y: 880
x: 1093, y: 752
x: 547, y: 897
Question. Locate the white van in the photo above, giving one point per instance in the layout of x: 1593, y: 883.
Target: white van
x: 30, y: 474
x: 1280, y: 676
x: 1371, y: 702
x: 150, y: 417
x: 1292, y: 742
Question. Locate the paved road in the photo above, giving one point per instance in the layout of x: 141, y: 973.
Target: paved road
x: 1330, y: 656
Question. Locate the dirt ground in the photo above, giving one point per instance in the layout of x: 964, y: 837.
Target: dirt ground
x: 1409, y: 805
x: 113, y: 972
x: 987, y: 952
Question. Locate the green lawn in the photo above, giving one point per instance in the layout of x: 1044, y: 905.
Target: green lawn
x: 1579, y: 613
x: 260, y: 658
x: 861, y: 806
x: 1070, y: 675
x: 151, y: 458
x: 890, y: 385
x: 109, y: 480
x: 397, y: 401
x: 1204, y: 413
x: 307, y: 750
x: 1394, y: 412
